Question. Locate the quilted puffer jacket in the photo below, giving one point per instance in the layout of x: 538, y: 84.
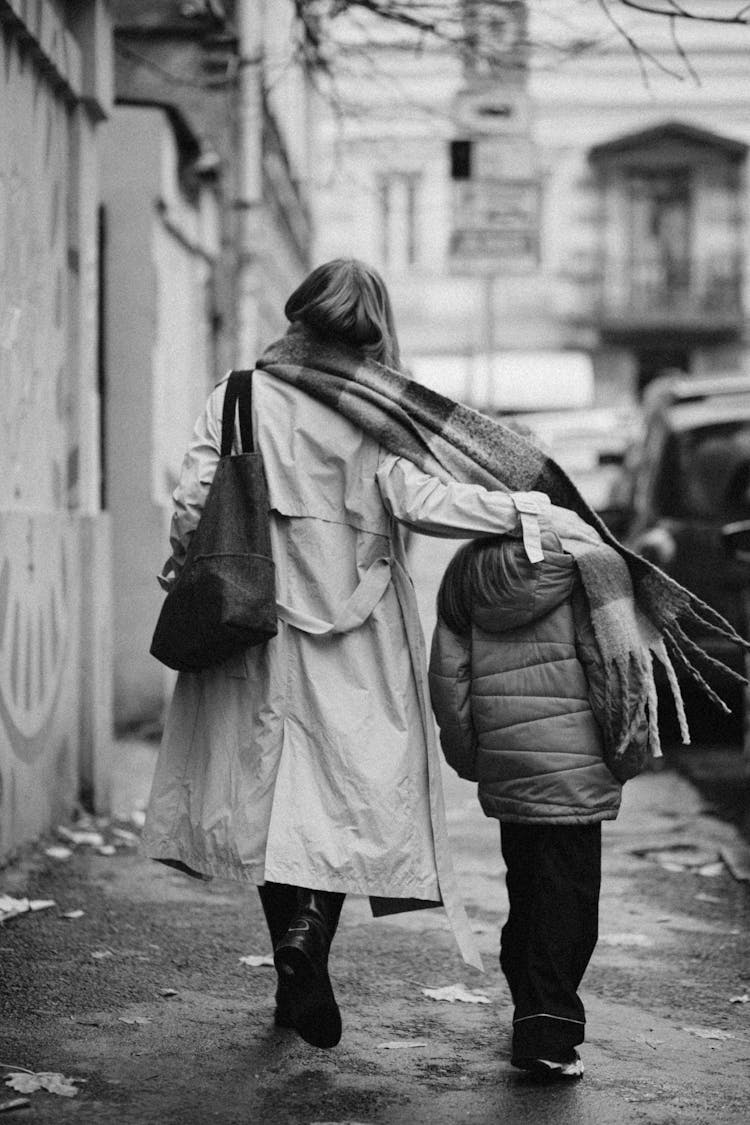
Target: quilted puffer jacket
x: 512, y: 698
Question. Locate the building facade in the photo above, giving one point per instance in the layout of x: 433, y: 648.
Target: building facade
x: 207, y: 230
x: 55, y: 639
x: 546, y: 218
x: 154, y: 216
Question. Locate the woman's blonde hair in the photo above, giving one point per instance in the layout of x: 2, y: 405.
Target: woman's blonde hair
x: 346, y: 299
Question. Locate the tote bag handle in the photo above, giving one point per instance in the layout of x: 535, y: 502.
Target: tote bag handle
x: 239, y: 388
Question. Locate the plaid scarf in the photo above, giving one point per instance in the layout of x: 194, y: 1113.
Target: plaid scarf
x: 637, y: 611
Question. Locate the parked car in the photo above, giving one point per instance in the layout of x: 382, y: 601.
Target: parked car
x: 687, y: 478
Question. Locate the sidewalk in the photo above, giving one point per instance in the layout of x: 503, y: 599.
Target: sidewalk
x: 143, y: 998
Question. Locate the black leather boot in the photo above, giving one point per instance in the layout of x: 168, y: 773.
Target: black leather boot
x: 301, y: 959
x: 279, y: 902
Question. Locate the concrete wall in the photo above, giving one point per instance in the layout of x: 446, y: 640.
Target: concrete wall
x: 52, y: 589
x: 208, y: 232
x: 160, y: 248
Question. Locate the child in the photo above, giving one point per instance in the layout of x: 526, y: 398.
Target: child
x: 515, y: 680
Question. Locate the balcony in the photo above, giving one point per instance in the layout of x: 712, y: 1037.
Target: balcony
x: 699, y: 294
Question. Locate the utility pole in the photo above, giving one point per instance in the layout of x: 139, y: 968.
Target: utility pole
x: 249, y: 202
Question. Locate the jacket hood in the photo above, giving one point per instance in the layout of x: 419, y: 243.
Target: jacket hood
x: 524, y: 591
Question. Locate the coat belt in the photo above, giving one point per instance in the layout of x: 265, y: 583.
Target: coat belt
x: 355, y: 610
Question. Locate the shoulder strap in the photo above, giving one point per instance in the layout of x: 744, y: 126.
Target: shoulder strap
x: 239, y: 394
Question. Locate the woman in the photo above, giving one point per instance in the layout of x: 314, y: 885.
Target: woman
x: 309, y: 766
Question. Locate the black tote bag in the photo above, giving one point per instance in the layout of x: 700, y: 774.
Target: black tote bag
x: 224, y: 598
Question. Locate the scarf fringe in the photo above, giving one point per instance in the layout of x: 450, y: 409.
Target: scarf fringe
x: 689, y: 645
x: 631, y: 676
x: 692, y: 671
x: 706, y: 618
x: 652, y: 711
x: 627, y: 719
x: 659, y: 652
x: 667, y: 601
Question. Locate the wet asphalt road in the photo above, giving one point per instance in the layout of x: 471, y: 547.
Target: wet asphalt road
x: 144, y: 999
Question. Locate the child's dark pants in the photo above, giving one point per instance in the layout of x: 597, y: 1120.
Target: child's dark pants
x: 553, y: 879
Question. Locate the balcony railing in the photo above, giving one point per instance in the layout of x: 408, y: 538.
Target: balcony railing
x: 702, y: 292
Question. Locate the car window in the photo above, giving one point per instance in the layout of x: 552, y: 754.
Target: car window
x: 652, y: 472
x: 704, y: 473
x: 668, y: 484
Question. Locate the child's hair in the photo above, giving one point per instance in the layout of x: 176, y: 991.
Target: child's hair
x: 347, y: 299
x: 476, y: 575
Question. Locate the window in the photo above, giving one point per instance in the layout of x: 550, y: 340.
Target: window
x: 660, y: 231
x: 398, y: 218
x: 672, y: 229
x: 460, y: 160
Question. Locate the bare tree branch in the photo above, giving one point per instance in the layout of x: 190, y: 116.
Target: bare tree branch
x: 681, y: 51
x: 447, y: 25
x: 741, y: 16
x: 640, y: 53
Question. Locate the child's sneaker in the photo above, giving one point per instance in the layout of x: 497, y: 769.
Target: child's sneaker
x: 553, y: 1070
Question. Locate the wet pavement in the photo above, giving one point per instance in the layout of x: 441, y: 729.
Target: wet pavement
x: 143, y: 1000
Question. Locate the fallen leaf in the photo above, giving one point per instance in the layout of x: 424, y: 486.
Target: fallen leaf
x: 711, y: 870
x: 58, y: 852
x: 126, y: 838
x: 101, y: 954
x: 709, y: 1032
x: 702, y: 897
x: 26, y: 1083
x: 138, y: 1021
x: 59, y: 1084
x: 14, y: 1103
x: 72, y: 914
x: 10, y: 907
x: 678, y: 857
x: 257, y: 960
x: 106, y: 849
x: 401, y: 1044
x: 451, y: 992
x: 168, y: 993
x: 88, y: 839
x: 744, y: 999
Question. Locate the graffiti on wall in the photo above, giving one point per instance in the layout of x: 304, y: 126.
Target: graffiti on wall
x: 34, y: 173
x: 35, y: 575
x: 38, y: 463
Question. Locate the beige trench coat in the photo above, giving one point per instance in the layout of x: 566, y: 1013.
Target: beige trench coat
x: 312, y: 760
